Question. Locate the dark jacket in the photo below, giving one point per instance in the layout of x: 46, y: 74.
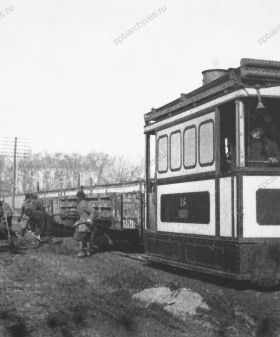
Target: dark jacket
x: 86, y: 222
x: 7, y: 208
x: 42, y: 220
x: 262, y: 149
x: 33, y: 204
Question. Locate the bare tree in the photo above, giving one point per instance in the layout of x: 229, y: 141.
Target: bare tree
x: 49, y: 169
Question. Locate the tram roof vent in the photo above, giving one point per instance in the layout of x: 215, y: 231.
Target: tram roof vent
x: 210, y: 75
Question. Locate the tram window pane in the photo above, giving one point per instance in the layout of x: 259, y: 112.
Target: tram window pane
x: 162, y: 154
x: 193, y: 207
x: 206, y: 143
x: 268, y: 212
x: 262, y: 130
x: 175, y: 150
x: 190, y: 147
x: 152, y: 156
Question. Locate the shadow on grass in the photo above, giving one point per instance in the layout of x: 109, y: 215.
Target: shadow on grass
x: 15, y: 326
x: 269, y: 326
x: 18, y: 329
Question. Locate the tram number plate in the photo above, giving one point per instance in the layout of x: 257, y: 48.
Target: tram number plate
x: 191, y: 207
x: 129, y: 223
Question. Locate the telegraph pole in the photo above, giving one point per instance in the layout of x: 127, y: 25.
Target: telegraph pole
x: 14, y: 175
x: 15, y: 148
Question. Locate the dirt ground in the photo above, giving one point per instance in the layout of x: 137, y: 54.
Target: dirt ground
x: 48, y: 291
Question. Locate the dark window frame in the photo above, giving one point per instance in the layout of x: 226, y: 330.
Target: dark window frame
x: 199, y: 156
x: 249, y: 107
x: 193, y: 126
x: 196, y: 211
x: 170, y: 136
x: 270, y: 211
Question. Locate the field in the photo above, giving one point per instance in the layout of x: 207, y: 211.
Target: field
x: 48, y: 291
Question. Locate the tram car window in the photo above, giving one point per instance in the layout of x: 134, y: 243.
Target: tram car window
x: 162, y: 154
x: 186, y: 207
x: 263, y: 134
x: 268, y: 211
x: 227, y: 137
x: 175, y: 151
x: 206, y: 143
x: 190, y: 149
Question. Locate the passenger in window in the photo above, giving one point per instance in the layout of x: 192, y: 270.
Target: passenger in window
x: 262, y: 150
x: 270, y: 128
x: 230, y: 152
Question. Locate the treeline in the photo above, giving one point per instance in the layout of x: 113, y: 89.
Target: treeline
x: 48, y: 171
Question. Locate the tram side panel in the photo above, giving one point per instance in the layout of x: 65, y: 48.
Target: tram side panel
x: 192, y: 243
x: 261, y: 196
x: 260, y: 250
x: 186, y: 233
x: 187, y: 208
x: 228, y: 207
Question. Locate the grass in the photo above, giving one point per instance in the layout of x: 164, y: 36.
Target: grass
x: 56, y: 295
x: 269, y: 325
x: 50, y: 292
x: 129, y: 278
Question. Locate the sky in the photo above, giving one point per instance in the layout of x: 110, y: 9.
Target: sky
x: 78, y: 75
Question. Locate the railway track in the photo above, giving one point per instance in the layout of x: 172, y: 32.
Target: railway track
x: 132, y: 256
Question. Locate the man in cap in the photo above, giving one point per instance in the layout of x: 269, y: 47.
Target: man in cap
x: 262, y: 149
x: 36, y: 202
x: 84, y: 226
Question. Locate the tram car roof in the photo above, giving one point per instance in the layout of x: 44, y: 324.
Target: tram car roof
x: 251, y: 73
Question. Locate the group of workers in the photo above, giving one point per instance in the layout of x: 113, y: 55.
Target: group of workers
x: 32, y: 216
x: 35, y: 219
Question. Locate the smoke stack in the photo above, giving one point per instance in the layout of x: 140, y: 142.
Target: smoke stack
x: 212, y: 74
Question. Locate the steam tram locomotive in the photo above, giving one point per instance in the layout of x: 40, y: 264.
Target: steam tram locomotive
x: 213, y: 195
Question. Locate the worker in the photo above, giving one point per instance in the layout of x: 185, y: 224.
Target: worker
x: 30, y: 201
x: 6, y: 212
x: 6, y: 216
x: 37, y: 203
x: 84, y: 226
x: 40, y: 222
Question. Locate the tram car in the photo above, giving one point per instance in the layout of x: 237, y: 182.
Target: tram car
x: 213, y: 175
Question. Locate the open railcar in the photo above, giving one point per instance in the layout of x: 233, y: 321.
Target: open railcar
x: 118, y: 217
x: 118, y: 214
x: 211, y: 205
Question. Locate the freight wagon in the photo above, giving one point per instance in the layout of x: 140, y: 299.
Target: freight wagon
x: 118, y: 217
x: 118, y: 207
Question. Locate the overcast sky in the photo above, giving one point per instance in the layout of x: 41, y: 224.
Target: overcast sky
x: 73, y: 79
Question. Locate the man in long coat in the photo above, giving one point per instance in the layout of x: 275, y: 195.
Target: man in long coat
x: 84, y: 226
